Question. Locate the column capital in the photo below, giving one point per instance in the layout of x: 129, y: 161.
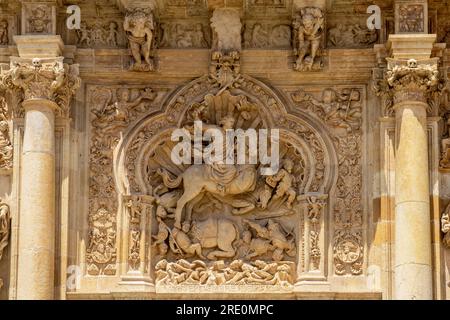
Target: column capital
x: 47, y: 78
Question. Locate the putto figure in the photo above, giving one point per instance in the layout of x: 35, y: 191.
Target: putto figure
x: 309, y: 29
x: 139, y: 27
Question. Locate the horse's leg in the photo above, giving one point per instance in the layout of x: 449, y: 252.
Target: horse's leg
x: 188, y: 195
x: 191, y: 205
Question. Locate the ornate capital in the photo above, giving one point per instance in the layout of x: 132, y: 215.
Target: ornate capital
x: 409, y: 80
x: 48, y: 79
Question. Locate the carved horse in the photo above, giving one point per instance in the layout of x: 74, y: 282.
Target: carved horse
x: 198, y: 179
x: 216, y: 233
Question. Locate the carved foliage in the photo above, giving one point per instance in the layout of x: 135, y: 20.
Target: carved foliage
x: 6, y: 149
x: 184, y: 35
x: 49, y: 79
x: 342, y: 109
x: 112, y: 110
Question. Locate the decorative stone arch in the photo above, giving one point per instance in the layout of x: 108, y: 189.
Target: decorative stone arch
x: 146, y: 146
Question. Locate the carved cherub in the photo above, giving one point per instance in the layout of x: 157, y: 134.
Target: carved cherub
x: 314, y: 209
x: 283, y: 181
x: 113, y: 34
x: 84, y: 34
x: 139, y: 27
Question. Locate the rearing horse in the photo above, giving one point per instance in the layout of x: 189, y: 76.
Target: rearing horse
x: 200, y: 178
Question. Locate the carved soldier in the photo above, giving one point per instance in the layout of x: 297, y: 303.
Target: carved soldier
x: 284, y: 181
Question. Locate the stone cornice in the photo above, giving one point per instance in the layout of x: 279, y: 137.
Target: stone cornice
x: 48, y: 79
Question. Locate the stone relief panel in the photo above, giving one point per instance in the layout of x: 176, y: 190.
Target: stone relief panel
x: 184, y: 34
x: 5, y: 225
x: 309, y: 29
x: 112, y: 109
x: 411, y: 18
x: 268, y: 7
x: 216, y: 227
x: 351, y: 34
x: 341, y: 110
x: 38, y: 18
x: 95, y: 34
x: 264, y: 35
x: 6, y: 148
x: 445, y: 226
x: 185, y: 8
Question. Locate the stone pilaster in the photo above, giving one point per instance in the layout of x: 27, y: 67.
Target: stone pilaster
x: 409, y: 85
x: 46, y: 85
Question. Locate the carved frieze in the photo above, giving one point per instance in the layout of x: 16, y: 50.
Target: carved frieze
x: 4, y: 230
x: 94, y: 34
x: 351, y: 36
x: 341, y: 111
x: 112, y: 109
x: 309, y: 26
x: 265, y: 35
x: 182, y: 35
x: 6, y: 149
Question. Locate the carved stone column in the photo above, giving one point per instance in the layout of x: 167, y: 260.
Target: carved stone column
x: 47, y: 85
x: 409, y: 86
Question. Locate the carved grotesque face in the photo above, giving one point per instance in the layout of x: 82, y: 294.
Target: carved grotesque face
x: 308, y: 21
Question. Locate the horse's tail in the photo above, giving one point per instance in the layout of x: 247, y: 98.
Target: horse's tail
x: 168, y: 181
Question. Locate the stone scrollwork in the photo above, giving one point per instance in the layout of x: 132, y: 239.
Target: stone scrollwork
x: 139, y: 26
x: 348, y: 252
x: 309, y: 29
x: 49, y: 79
x: 341, y: 111
x: 112, y: 109
x: 410, y: 80
x: 226, y: 225
x: 5, y: 226
x: 6, y: 149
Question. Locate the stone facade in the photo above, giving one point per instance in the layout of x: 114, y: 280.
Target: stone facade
x: 92, y: 204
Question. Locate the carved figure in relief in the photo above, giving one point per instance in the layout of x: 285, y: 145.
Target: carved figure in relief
x: 113, y: 34
x: 445, y: 226
x: 198, y: 37
x: 84, y: 35
x: 283, y: 182
x: 4, y: 226
x: 445, y: 148
x: 39, y: 20
x: 259, y: 36
x: 6, y: 149
x: 351, y: 36
x: 182, y: 244
x: 4, y: 40
x: 309, y: 29
x: 411, y: 18
x: 139, y: 27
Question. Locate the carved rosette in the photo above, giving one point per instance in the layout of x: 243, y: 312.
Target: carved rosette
x: 410, y: 80
x: 48, y: 79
